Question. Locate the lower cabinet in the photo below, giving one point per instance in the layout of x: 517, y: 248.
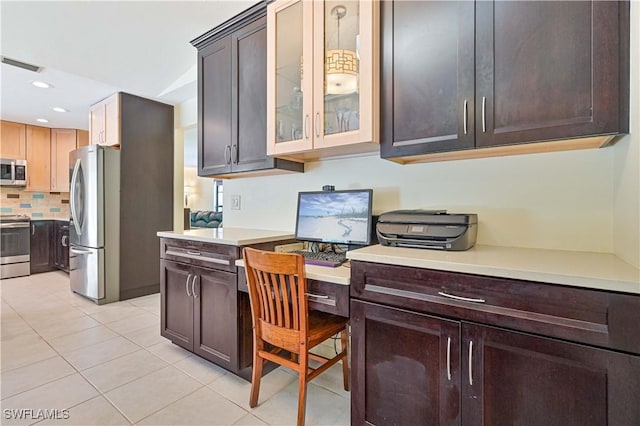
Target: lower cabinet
x: 61, y: 245
x: 199, y: 311
x: 412, y: 368
x: 41, y: 246
x: 433, y: 347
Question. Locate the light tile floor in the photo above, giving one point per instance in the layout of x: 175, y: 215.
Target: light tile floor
x: 108, y: 365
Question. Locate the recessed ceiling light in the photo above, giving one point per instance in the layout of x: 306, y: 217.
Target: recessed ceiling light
x: 41, y: 84
x: 59, y: 109
x: 42, y: 120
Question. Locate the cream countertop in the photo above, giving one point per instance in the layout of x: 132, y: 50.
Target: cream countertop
x: 339, y: 275
x: 600, y: 271
x: 227, y: 236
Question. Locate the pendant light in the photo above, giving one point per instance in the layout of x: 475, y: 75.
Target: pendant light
x: 341, y: 65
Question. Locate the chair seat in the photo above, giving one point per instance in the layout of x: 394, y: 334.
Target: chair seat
x: 323, y: 325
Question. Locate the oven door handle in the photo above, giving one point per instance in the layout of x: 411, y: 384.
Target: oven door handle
x: 14, y: 225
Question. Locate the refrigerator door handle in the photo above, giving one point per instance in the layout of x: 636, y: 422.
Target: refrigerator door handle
x: 74, y: 214
x: 79, y: 251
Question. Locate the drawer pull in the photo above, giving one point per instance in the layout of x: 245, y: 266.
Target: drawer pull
x: 186, y: 285
x: 198, y: 256
x: 470, y: 362
x: 449, y: 358
x: 464, y: 299
x: 318, y: 296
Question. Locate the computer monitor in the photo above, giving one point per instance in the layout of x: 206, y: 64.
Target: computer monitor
x: 338, y: 217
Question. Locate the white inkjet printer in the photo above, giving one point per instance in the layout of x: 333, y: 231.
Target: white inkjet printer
x: 430, y: 229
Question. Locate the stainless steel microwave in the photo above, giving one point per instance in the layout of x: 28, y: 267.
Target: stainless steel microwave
x: 13, y: 172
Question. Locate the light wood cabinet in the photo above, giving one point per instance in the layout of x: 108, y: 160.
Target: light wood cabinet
x: 13, y: 140
x: 104, y: 121
x: 82, y: 138
x: 38, y: 147
x: 63, y: 141
x: 322, y: 78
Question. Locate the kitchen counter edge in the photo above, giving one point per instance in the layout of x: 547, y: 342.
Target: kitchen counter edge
x: 601, y: 271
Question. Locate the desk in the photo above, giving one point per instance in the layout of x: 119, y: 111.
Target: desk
x: 327, y: 288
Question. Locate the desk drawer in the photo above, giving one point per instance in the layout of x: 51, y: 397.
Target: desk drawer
x: 322, y: 296
x: 213, y: 256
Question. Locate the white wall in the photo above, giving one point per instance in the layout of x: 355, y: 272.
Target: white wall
x: 556, y: 200
x: 627, y: 163
x: 201, y: 196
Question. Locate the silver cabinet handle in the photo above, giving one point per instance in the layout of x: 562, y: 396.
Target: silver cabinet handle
x: 471, y: 362
x: 484, y: 121
x: 186, y: 285
x: 317, y: 124
x: 33, y: 229
x: 449, y: 358
x: 306, y: 126
x: 194, y: 253
x: 464, y: 117
x: 193, y: 286
x: 227, y: 149
x: 317, y: 296
x: 234, y: 153
x: 64, y: 241
x: 464, y: 299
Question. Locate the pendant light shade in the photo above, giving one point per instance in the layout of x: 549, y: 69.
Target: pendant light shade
x: 341, y: 65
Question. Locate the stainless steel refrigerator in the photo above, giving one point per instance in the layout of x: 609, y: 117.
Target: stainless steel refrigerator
x: 94, y: 227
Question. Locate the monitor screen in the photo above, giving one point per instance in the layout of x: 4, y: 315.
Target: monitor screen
x: 340, y: 217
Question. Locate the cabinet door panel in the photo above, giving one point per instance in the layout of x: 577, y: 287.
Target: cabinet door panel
x: 63, y: 141
x: 529, y: 380
x: 215, y: 333
x: 214, y: 124
x: 176, y: 306
x: 13, y: 140
x: 96, y: 124
x: 38, y: 158
x: 41, y: 246
x: 427, y: 75
x: 399, y: 367
x: 250, y: 100
x: 546, y: 70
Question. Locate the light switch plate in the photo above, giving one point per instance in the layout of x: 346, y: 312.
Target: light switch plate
x: 235, y: 202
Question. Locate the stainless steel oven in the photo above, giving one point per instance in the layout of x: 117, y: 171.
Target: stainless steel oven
x: 13, y: 172
x: 15, y: 246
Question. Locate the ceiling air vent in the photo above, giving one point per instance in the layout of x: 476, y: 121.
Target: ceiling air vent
x: 19, y: 64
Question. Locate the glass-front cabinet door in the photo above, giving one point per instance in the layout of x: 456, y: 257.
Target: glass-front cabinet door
x: 322, y: 76
x: 343, y: 72
x: 290, y: 85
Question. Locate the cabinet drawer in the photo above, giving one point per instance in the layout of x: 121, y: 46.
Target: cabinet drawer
x: 601, y: 318
x: 322, y: 296
x: 214, y: 256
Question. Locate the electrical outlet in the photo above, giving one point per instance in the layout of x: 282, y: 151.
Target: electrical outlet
x: 235, y: 202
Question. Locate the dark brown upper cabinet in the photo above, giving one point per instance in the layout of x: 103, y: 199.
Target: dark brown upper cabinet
x: 232, y: 99
x: 499, y: 75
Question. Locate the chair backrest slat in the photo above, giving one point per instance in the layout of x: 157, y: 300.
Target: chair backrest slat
x: 277, y: 287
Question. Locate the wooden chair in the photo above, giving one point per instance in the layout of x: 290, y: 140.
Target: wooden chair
x: 281, y: 318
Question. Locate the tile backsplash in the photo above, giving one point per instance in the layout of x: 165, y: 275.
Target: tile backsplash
x: 53, y: 205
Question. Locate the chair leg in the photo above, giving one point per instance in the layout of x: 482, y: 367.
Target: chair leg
x: 344, y: 340
x: 256, y: 375
x: 302, y: 386
x: 302, y: 398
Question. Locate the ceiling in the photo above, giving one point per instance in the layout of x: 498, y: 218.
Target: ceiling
x: 91, y: 49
